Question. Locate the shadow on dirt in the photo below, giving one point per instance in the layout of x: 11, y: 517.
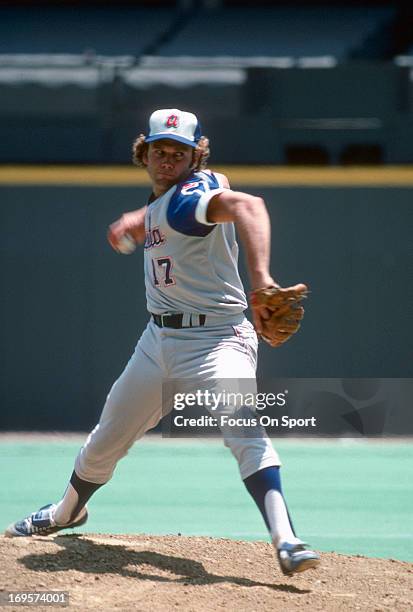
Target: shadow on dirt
x: 86, y: 556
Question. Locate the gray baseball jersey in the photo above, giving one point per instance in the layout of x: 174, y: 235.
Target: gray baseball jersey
x: 191, y: 265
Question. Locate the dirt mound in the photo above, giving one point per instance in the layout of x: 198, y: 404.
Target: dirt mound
x: 195, y: 573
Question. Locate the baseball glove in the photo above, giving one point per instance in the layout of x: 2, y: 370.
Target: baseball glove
x: 279, y: 311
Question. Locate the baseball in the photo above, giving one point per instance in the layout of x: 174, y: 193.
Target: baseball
x: 126, y: 245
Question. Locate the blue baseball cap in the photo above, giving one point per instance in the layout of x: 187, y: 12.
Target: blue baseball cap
x: 174, y: 124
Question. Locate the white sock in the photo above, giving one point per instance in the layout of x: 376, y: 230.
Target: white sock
x: 277, y: 515
x: 66, y: 506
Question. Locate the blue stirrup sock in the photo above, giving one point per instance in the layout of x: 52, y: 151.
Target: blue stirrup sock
x: 265, y: 488
x: 77, y: 493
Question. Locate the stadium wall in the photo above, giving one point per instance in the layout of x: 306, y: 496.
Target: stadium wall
x: 354, y: 113
x: 72, y: 309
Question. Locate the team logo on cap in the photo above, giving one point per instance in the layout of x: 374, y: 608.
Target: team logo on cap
x: 172, y: 121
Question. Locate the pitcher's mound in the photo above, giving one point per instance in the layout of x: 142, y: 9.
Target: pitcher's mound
x: 149, y: 573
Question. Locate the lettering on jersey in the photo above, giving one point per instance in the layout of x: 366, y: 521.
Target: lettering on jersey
x: 161, y: 269
x: 154, y: 238
x: 191, y: 188
x: 172, y: 121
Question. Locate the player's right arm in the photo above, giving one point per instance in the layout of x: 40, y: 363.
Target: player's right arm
x: 132, y: 223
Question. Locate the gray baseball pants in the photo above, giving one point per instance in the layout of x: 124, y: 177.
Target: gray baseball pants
x: 134, y: 404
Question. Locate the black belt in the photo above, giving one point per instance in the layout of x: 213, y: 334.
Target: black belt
x: 175, y: 320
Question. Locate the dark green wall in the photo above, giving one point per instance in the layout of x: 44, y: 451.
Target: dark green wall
x: 72, y: 309
x: 360, y: 104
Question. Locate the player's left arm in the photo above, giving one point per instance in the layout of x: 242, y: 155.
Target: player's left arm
x: 222, y: 179
x: 252, y: 221
x: 250, y: 216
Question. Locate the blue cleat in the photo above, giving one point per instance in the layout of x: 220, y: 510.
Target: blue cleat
x: 42, y: 523
x: 295, y: 558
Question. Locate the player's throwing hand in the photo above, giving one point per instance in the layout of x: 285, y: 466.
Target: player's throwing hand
x: 131, y: 223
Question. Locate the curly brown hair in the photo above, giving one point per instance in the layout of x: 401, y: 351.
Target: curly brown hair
x: 200, y: 155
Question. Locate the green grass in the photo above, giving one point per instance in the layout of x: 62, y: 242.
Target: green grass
x: 350, y: 497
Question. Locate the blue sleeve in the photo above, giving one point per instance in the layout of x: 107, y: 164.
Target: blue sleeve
x: 182, y: 206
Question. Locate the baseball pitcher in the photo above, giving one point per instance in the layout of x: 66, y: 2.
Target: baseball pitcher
x: 197, y: 329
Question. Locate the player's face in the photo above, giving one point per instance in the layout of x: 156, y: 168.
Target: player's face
x: 168, y: 162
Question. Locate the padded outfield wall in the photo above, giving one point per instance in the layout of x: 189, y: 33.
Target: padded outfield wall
x: 72, y: 309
